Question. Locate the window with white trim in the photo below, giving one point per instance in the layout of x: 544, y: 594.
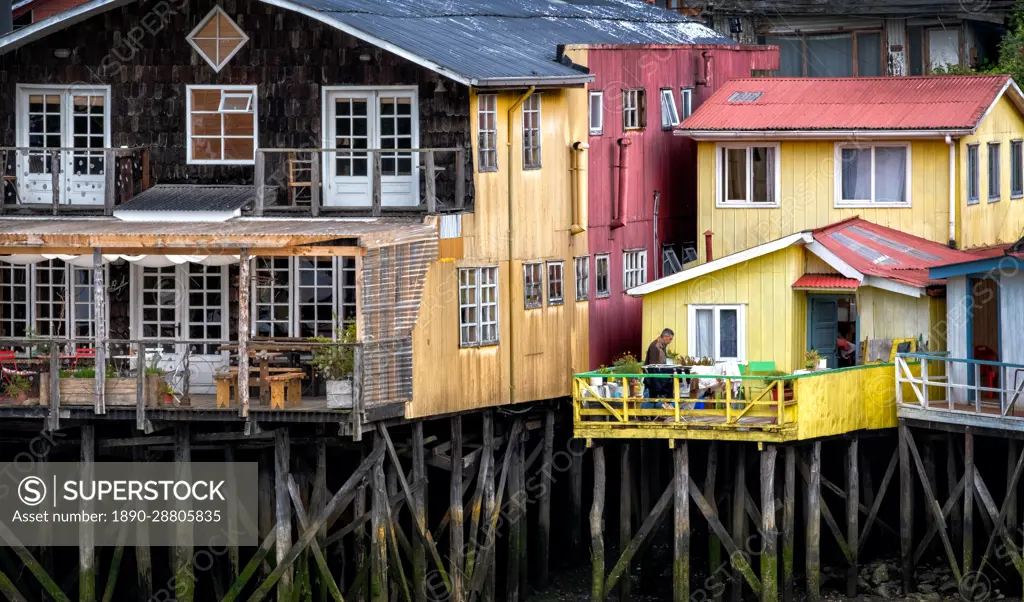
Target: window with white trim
x: 206, y: 307
x: 972, y: 174
x: 531, y: 132
x: 478, y: 306
x: 602, y: 275
x: 717, y: 331
x: 217, y: 38
x: 669, y: 111
x: 634, y: 268
x: 873, y: 174
x: 748, y: 175
x: 1016, y: 169
x: 533, y: 285
x: 634, y: 109
x: 687, y: 96
x: 596, y: 113
x: 487, y: 124
x: 50, y: 298
x: 221, y: 125
x: 582, y: 268
x: 994, y: 168
x: 556, y: 284
x: 303, y: 296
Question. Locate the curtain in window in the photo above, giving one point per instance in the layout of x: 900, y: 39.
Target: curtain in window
x: 869, y: 54
x: 728, y: 334
x: 763, y: 174
x: 856, y: 174
x: 705, y: 330
x: 890, y: 174
x: 830, y: 56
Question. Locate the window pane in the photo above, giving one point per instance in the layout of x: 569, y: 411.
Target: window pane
x: 869, y: 54
x: 830, y: 56
x: 705, y: 333
x: 736, y: 174
x: 890, y: 174
x: 994, y: 186
x: 728, y: 333
x: 972, y: 172
x: 791, y: 56
x: 856, y: 174
x: 763, y: 165
x: 1016, y: 169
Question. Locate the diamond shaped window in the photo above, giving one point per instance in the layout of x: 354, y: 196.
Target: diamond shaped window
x: 217, y: 38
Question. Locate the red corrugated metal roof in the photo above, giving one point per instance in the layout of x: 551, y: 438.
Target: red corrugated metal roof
x: 823, y: 281
x: 865, y: 103
x: 875, y: 250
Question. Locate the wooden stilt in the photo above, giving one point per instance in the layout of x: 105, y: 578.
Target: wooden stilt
x: 1011, y: 493
x: 86, y: 545
x: 932, y: 503
x: 378, y: 539
x: 876, y: 504
x: 597, y: 593
x: 143, y: 561
x: 184, y: 571
x: 956, y: 521
x: 867, y: 486
x: 769, y: 533
x: 517, y: 508
x: 523, y: 522
x: 650, y: 523
x: 283, y: 508
x: 321, y: 562
x: 928, y: 459
x: 788, y: 523
x: 681, y: 525
x: 243, y: 333
x: 359, y: 545
x: 232, y: 511
x: 625, y: 511
x: 736, y: 556
x: 813, y: 532
x: 418, y: 507
x: 326, y: 581
x: 487, y: 536
x: 852, y: 514
x: 739, y: 514
x: 575, y: 501
x: 714, y: 545
x: 544, y: 506
x: 906, y: 514
x: 968, y: 535
x: 455, y: 511
x: 486, y: 457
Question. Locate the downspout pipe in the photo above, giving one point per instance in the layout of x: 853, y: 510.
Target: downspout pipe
x: 952, y: 191
x: 580, y: 190
x: 510, y: 238
x: 619, y: 219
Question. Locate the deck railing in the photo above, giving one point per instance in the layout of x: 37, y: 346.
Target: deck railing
x: 961, y: 385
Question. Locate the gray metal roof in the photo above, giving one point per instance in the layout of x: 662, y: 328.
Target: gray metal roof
x: 476, y: 42
x: 177, y: 197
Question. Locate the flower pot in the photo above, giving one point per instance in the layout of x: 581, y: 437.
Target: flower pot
x: 822, y: 364
x: 339, y: 394
x: 167, y: 399
x: 787, y: 394
x: 596, y: 381
x: 20, y: 398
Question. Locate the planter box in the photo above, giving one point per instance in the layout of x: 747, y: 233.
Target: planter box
x: 339, y: 394
x: 119, y: 391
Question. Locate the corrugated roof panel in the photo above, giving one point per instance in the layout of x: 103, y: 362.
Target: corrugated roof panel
x: 825, y: 281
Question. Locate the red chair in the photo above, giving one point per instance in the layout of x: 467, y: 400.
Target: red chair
x: 9, y: 369
x: 989, y: 374
x: 82, y: 353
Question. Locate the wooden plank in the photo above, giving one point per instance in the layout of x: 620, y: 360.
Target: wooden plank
x: 681, y: 525
x: 852, y: 514
x: 947, y: 510
x: 378, y: 542
x: 143, y: 560
x: 929, y: 496
x: 283, y: 509
x: 460, y: 178
x: 418, y: 510
x: 99, y: 291
x: 140, y: 386
x: 54, y: 416
x: 739, y: 517
x: 243, y: 332
x: 998, y: 516
x: 490, y: 445
x: 906, y: 515
x: 714, y: 545
x: 8, y: 589
x: 769, y: 535
x: 812, y: 540
x: 456, y: 533
x: 655, y: 518
x: 86, y: 537
x: 830, y: 521
x: 259, y: 181
x: 250, y: 568
x: 625, y: 512
x: 314, y: 183
x: 144, y: 166
x: 430, y: 183
x: 109, y: 181
x: 575, y: 501
x: 55, y: 169
x: 318, y: 555
x: 375, y: 176
x: 514, y: 511
x: 788, y: 523
x: 735, y: 554
x: 597, y: 592
x: 883, y: 487
x: 485, y: 470
x: 969, y: 473
x: 544, y: 507
x: 231, y: 515
x: 184, y: 565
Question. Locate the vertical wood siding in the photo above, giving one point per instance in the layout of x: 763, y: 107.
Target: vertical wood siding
x: 1011, y: 318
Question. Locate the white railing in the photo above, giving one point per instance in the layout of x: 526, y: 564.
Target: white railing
x: 960, y: 385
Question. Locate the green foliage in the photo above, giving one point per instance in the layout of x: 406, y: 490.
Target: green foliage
x: 1011, y: 47
x: 17, y: 385
x: 165, y: 388
x: 672, y: 355
x: 84, y: 373
x: 627, y: 364
x: 692, y: 360
x: 332, y: 361
x: 953, y: 69
x: 773, y: 376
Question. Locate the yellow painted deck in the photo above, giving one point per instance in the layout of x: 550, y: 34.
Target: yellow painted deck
x: 822, y: 404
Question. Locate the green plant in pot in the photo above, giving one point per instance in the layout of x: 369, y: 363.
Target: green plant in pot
x: 333, y: 360
x: 166, y: 393
x: 629, y: 364
x: 787, y: 385
x: 17, y: 388
x: 811, y: 359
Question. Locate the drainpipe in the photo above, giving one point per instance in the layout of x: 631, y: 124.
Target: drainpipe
x: 705, y: 75
x: 511, y: 248
x: 707, y: 246
x: 580, y: 190
x: 952, y: 192
x: 619, y: 220
x: 657, y: 249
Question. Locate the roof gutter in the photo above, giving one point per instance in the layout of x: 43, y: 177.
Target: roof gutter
x: 710, y: 135
x: 519, y: 82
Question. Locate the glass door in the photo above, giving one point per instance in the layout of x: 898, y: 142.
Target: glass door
x: 349, y: 129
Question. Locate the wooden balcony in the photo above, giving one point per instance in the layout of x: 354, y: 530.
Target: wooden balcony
x: 738, y: 408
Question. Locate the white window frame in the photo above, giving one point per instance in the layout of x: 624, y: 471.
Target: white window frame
x: 838, y: 201
x: 481, y: 324
x: 487, y: 110
x: 741, y: 330
x: 686, y: 94
x: 248, y: 96
x: 606, y: 259
x: 182, y: 339
x: 669, y: 110
x: 537, y: 280
x: 1017, y: 169
x: 596, y: 120
x: 230, y: 91
x: 217, y: 10
x: 559, y: 265
x: 633, y: 110
x: 69, y: 319
x: 634, y: 268
x: 294, y: 319
x: 535, y: 133
x: 720, y: 169
x: 973, y: 169
x: 581, y: 269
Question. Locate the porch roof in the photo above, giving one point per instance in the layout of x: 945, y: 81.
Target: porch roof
x: 32, y: 234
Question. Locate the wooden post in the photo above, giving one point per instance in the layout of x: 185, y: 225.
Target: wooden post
x: 259, y: 175
x: 770, y: 547
x: 681, y: 524
x: 143, y: 560
x: 969, y: 488
x: 359, y: 535
x: 625, y: 512
x: 906, y: 515
x: 283, y: 508
x: 813, y: 532
x: 714, y: 543
x: 956, y: 522
x: 314, y: 183
x: 852, y: 514
x: 184, y: 573
x: 544, y: 508
x: 243, y: 330
x: 460, y: 178
x: 54, y: 417
x: 1011, y: 489
x: 455, y: 511
x: 232, y: 509
x: 140, y: 386
x: 597, y: 593
x: 378, y: 541
x: 739, y: 514
x: 375, y: 176
x: 419, y: 514
x: 489, y: 534
x: 265, y: 499
x: 99, y: 290
x: 788, y: 523
x: 86, y: 537
x: 144, y: 166
x: 576, y: 502
x: 430, y: 182
x: 55, y: 169
x: 515, y: 508
x: 109, y: 181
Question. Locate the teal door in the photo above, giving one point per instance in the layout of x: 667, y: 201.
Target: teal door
x: 823, y: 326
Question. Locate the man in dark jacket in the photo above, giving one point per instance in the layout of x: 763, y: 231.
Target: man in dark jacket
x: 656, y: 350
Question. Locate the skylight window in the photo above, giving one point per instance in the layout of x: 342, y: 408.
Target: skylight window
x: 745, y: 96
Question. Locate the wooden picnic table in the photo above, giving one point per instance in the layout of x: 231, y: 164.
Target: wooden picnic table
x: 264, y: 351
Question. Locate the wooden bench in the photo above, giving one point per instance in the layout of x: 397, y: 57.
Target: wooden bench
x: 285, y: 386
x: 285, y: 389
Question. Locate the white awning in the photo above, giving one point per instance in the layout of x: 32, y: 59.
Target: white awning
x: 150, y: 261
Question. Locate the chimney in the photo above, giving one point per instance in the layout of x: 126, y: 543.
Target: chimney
x: 707, y: 245
x: 6, y: 17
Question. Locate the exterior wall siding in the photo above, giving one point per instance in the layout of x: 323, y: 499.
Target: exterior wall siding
x: 1011, y: 318
x: 888, y: 315
x: 658, y: 161
x: 807, y: 194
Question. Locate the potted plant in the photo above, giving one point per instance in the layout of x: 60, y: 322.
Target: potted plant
x: 628, y: 364
x: 334, y: 363
x: 811, y: 359
x: 787, y: 385
x: 166, y: 393
x: 671, y: 357
x: 17, y: 388
x: 597, y: 381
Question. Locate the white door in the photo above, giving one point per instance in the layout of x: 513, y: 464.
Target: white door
x: 358, y: 119
x: 53, y: 118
